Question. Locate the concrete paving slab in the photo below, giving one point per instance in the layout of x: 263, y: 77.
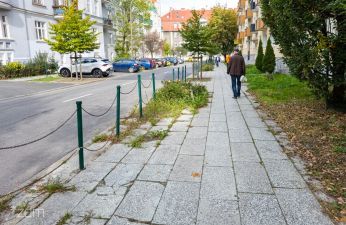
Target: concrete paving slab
x: 159, y: 128
x: 100, y: 206
x: 244, y: 152
x: 219, y: 139
x: 255, y: 122
x: 141, y: 201
x: 218, y: 183
x: 115, y: 220
x: 200, y: 122
x: 165, y: 122
x: 157, y: 173
x: 165, y: 154
x: 217, y: 157
x: 270, y: 150
x: 261, y: 134
x: 114, y: 154
x: 187, y: 168
x: 193, y: 146
x: 260, y: 209
x: 283, y: 174
x: 218, y: 117
x: 138, y: 155
x: 197, y: 132
x: 236, y: 123
x: 218, y: 211
x: 185, y: 118
x: 123, y: 174
x: 75, y: 220
x: 174, y: 138
x: 180, y: 126
x: 252, y: 178
x: 239, y: 135
x: 300, y: 207
x: 218, y: 127
x: 179, y: 204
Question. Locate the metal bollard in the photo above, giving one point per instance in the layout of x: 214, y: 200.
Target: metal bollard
x: 173, y: 75
x: 80, y: 135
x: 140, y: 95
x: 117, y: 131
x: 154, y: 87
x: 185, y: 72
x: 178, y: 73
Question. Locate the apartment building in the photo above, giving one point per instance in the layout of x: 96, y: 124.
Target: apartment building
x: 172, y: 23
x: 251, y: 29
x: 25, y: 23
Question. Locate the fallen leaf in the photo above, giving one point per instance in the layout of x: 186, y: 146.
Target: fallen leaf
x: 194, y: 174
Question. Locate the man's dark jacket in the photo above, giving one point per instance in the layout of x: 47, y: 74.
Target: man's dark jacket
x: 236, y: 66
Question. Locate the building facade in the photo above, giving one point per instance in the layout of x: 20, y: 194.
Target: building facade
x: 251, y: 29
x: 25, y: 24
x: 172, y: 23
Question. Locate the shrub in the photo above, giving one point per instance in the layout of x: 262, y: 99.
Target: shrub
x: 11, y: 69
x: 259, y: 58
x: 208, y: 67
x: 268, y: 64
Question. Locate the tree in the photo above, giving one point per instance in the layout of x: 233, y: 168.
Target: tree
x: 181, y: 50
x: 73, y: 33
x: 312, y: 37
x: 130, y: 18
x: 259, y: 58
x: 223, y: 25
x: 166, y: 48
x: 268, y: 64
x: 196, y: 36
x: 152, y: 42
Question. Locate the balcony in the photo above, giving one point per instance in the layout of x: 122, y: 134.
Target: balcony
x: 253, y: 27
x: 241, y: 4
x: 260, y: 25
x: 5, y: 4
x: 247, y: 32
x: 241, y: 20
x: 248, y: 14
x: 252, y: 4
x: 107, y: 22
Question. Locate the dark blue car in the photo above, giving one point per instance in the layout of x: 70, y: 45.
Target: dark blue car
x: 126, y: 65
x: 146, y: 64
x: 172, y: 60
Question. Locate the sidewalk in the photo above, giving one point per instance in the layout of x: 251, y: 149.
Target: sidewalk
x: 221, y: 166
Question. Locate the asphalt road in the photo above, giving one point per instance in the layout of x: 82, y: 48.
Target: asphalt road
x: 29, y: 110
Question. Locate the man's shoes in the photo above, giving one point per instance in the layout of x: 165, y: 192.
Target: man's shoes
x: 234, y: 97
x: 238, y: 96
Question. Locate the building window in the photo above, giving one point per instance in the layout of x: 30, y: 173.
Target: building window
x: 41, y: 32
x: 96, y: 8
x: 4, y: 27
x: 38, y: 2
x: 111, y: 38
x: 88, y: 6
x: 8, y: 45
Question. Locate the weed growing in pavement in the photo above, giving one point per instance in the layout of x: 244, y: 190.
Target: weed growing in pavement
x: 87, y: 217
x: 63, y: 220
x: 100, y: 138
x: 137, y: 142
x: 22, y: 208
x: 159, y: 134
x: 55, y: 186
x: 5, y: 202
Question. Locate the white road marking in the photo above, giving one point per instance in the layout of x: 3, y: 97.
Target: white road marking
x: 167, y: 72
x: 76, y: 98
x: 129, y: 83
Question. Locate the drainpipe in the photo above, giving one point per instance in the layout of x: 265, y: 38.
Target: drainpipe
x: 26, y: 29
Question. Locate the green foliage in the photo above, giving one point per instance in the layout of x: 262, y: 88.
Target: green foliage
x: 268, y: 64
x: 5, y: 202
x: 312, y: 38
x: 47, y: 79
x: 181, y: 51
x: 137, y: 142
x: 100, y: 138
x: 282, y: 88
x: 73, y: 33
x: 251, y: 69
x: 260, y: 55
x: 55, y: 186
x: 166, y: 48
x: 223, y: 26
x: 196, y: 36
x: 22, y: 208
x: 63, y: 220
x: 130, y: 18
x: 208, y: 67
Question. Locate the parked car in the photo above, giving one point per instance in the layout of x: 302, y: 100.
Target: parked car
x: 95, y: 66
x: 159, y: 62
x: 181, y: 61
x: 165, y: 62
x: 148, y: 63
x: 126, y: 65
x: 172, y: 60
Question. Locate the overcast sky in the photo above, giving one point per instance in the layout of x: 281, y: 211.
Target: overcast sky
x: 194, y: 4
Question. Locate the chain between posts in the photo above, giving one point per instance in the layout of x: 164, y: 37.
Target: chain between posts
x: 102, y: 114
x: 129, y: 92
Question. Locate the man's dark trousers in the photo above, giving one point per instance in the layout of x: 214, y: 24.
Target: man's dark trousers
x: 236, y: 85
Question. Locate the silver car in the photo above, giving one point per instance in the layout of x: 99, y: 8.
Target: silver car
x: 92, y: 66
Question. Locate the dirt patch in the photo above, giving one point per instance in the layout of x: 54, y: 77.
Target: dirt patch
x: 319, y: 138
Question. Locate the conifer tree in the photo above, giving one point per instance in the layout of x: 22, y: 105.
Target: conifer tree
x: 268, y: 64
x: 259, y: 58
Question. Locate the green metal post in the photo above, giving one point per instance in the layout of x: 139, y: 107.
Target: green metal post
x: 140, y: 96
x: 185, y: 72
x: 118, y: 112
x: 80, y: 135
x: 173, y: 75
x: 178, y: 73
x: 182, y: 73
x: 154, y: 87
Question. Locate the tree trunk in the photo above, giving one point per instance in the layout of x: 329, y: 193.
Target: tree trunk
x: 80, y: 68
x: 75, y: 62
x: 224, y: 56
x: 201, y: 66
x: 152, y: 55
x: 71, y: 66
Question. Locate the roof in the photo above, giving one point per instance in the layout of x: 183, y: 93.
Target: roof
x: 172, y: 20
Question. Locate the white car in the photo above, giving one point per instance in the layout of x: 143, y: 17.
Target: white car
x: 94, y: 66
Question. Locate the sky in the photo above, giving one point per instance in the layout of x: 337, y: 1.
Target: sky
x: 194, y: 4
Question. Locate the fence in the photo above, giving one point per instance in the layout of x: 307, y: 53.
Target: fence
x: 181, y: 75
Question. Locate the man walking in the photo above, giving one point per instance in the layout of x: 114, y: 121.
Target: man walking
x: 236, y: 68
